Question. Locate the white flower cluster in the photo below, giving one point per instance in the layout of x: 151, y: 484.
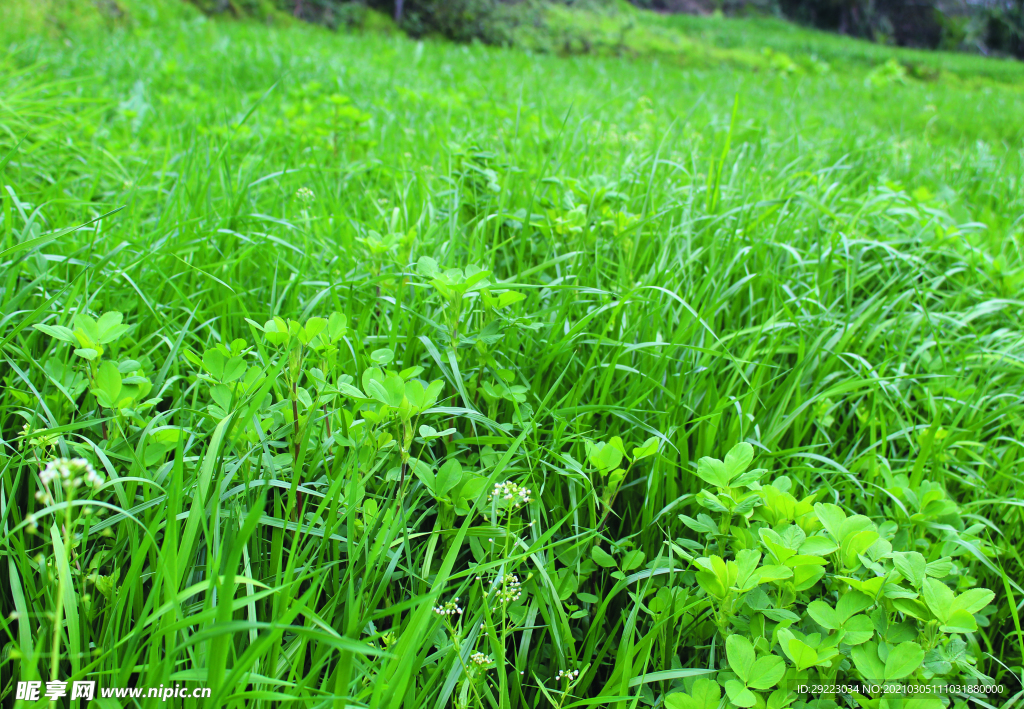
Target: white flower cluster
x: 510, y: 589
x: 511, y: 493
x: 568, y: 675
x: 71, y: 472
x: 305, y: 195
x: 450, y: 608
x: 478, y: 658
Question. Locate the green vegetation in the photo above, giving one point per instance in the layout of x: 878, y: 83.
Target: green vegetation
x: 406, y: 374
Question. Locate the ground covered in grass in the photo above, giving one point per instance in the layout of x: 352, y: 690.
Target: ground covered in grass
x: 357, y: 371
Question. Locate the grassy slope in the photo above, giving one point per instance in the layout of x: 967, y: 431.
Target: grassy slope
x: 828, y: 274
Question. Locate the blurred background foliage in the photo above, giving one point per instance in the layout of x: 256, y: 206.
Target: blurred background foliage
x: 983, y: 26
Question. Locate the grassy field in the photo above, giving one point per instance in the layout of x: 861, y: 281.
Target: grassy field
x: 405, y: 374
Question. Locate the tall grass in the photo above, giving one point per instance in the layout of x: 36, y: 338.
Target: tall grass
x: 827, y: 270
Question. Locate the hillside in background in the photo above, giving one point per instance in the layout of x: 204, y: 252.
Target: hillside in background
x: 636, y: 361
x: 980, y: 26
x: 751, y: 41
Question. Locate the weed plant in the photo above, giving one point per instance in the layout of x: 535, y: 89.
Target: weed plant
x: 355, y: 371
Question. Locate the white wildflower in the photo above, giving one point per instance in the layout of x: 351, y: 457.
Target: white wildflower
x: 567, y: 675
x: 510, y: 494
x: 449, y: 609
x: 510, y: 589
x: 71, y: 472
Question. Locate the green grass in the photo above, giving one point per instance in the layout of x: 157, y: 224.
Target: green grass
x: 845, y: 53
x: 825, y: 267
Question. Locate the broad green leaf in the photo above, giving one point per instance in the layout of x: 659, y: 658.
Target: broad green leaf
x: 222, y: 396
x: 940, y: 567
x: 710, y: 501
x: 509, y: 297
x: 766, y: 672
x: 747, y: 502
x: 922, y: 701
x: 824, y: 615
x: 774, y: 573
x: 433, y: 391
x: 738, y: 460
x: 746, y: 564
x: 859, y: 629
x: 378, y: 391
x: 448, y: 476
x: 603, y: 558
x: 854, y: 524
x: 748, y: 479
x: 679, y: 700
x: 349, y: 390
x: 395, y: 388
x: 775, y: 544
x: 911, y: 566
x: 706, y: 693
x: 818, y: 546
x: 88, y: 326
x: 779, y: 699
x: 802, y: 655
x: 109, y: 327
x: 646, y: 449
x: 870, y: 587
x: 313, y: 328
x: 603, y: 456
x: 912, y: 607
x: 276, y: 331
x: 959, y: 621
x: 468, y: 492
x: 740, y: 653
x: 831, y: 517
x: 739, y: 695
x: 805, y: 576
x: 475, y: 275
x: 425, y: 472
x: 382, y: 357
x: 427, y: 267
x: 713, y: 472
x: 903, y: 660
x: 852, y: 602
x: 337, y: 324
x: 234, y: 369
x: 108, y: 384
x: 632, y: 560
x: 939, y: 598
x: 416, y: 394
x: 805, y: 560
x: 59, y: 332
x: 973, y: 600
x: 854, y: 544
x: 214, y: 361
x: 865, y: 659
x: 725, y: 571
x: 711, y: 584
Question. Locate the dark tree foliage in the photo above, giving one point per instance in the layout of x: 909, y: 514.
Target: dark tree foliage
x: 985, y: 25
